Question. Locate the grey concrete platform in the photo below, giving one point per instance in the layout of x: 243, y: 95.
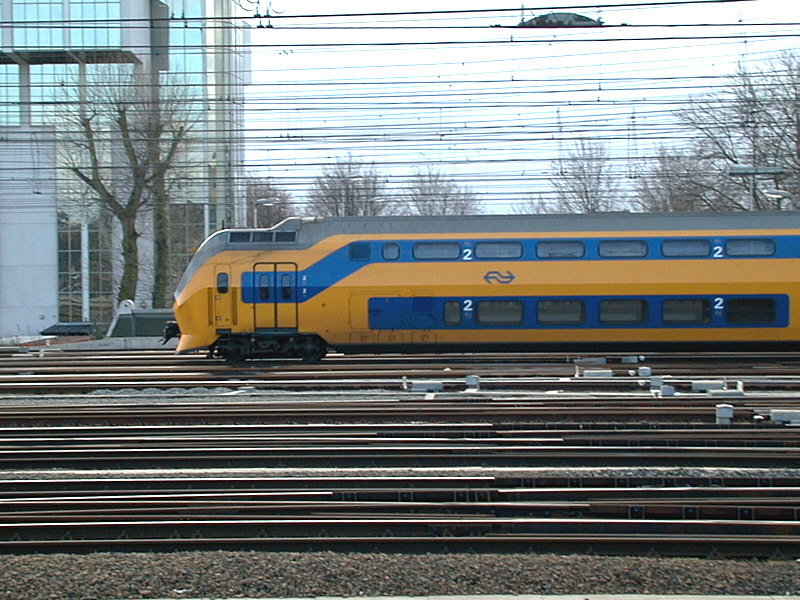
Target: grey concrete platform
x: 33, y: 344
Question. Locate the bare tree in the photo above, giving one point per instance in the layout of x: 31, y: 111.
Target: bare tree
x: 534, y: 204
x: 123, y: 141
x: 347, y: 189
x: 584, y: 181
x: 431, y: 193
x: 267, y: 204
x: 752, y: 124
x: 678, y: 181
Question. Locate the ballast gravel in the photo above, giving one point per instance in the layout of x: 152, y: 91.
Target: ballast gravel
x: 308, y: 574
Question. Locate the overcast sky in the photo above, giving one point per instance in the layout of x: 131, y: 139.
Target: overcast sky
x: 493, y: 107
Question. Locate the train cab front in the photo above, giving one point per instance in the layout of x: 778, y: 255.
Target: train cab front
x: 194, y: 297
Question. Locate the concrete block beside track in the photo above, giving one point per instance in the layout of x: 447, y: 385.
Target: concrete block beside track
x: 784, y: 416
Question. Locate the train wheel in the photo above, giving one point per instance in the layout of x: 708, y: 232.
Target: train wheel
x: 234, y: 356
x: 313, y: 349
x: 235, y: 351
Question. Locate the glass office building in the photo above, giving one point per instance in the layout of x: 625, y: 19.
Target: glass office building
x: 48, y: 45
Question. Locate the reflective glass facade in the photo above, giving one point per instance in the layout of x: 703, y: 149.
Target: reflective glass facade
x: 98, y: 24
x: 62, y: 42
x: 57, y: 24
x: 9, y: 95
x: 46, y: 82
x: 38, y: 24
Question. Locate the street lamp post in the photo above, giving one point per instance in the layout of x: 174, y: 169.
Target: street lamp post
x: 262, y: 202
x: 752, y: 173
x: 780, y: 196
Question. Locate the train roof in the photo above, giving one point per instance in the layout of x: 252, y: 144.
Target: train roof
x: 303, y: 232
x: 307, y: 231
x: 610, y: 221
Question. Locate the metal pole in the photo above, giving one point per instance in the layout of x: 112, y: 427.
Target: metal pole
x: 85, y: 296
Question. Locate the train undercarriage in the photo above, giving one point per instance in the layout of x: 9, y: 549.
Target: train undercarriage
x: 234, y: 348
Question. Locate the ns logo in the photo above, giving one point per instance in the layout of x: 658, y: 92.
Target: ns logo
x: 498, y: 277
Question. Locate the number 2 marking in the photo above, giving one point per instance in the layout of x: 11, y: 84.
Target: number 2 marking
x: 718, y: 253
x: 466, y: 254
x: 719, y: 303
x: 467, y: 305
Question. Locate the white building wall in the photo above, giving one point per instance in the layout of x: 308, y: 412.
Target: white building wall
x: 28, y: 232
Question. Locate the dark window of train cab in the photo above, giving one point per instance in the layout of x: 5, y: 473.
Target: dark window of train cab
x: 560, y: 249
x: 359, y: 251
x: 498, y: 312
x: 750, y: 311
x: 750, y: 247
x: 685, y: 247
x: 686, y: 311
x: 239, y: 237
x: 437, y: 251
x: 623, y: 311
x: 560, y: 312
x: 285, y: 236
x: 390, y: 251
x: 222, y: 283
x: 286, y: 287
x: 452, y: 312
x: 622, y: 248
x: 263, y: 286
x: 262, y: 236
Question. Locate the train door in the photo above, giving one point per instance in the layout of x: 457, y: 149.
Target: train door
x: 223, y: 297
x: 275, y: 295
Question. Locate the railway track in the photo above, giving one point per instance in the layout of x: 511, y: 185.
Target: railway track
x: 672, y: 515
x: 266, y: 463
x: 53, y: 371
x: 331, y: 451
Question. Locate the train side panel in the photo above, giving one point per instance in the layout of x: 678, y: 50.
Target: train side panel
x: 349, y: 293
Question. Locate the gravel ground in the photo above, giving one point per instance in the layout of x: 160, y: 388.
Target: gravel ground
x: 266, y: 574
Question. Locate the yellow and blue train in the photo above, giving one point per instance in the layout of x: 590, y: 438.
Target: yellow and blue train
x: 617, y: 281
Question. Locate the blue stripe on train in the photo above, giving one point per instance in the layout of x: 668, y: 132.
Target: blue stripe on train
x: 338, y: 265
x: 394, y: 313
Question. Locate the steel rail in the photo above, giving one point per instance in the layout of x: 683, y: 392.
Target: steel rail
x: 71, y: 371
x: 737, y: 537
x: 523, y: 415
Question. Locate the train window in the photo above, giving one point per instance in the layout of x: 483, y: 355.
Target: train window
x: 239, y: 237
x: 359, y: 251
x: 286, y: 287
x: 750, y: 311
x: 285, y: 236
x: 622, y: 248
x: 437, y: 251
x: 560, y: 312
x: 686, y: 311
x: 390, y: 251
x: 679, y: 247
x: 452, y: 312
x: 750, y: 247
x: 263, y: 286
x: 262, y: 236
x: 222, y: 283
x: 623, y: 311
x: 560, y: 249
x: 498, y: 312
x: 493, y: 250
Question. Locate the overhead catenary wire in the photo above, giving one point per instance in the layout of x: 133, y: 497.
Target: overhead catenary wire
x: 337, y: 117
